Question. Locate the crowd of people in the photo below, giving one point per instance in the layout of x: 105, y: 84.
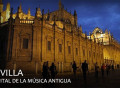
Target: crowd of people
x: 104, y: 68
x: 51, y: 72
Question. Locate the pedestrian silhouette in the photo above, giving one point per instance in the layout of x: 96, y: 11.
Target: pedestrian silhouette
x: 103, y: 69
x: 53, y: 70
x: 84, y: 69
x: 108, y: 69
x: 74, y: 66
x: 45, y: 72
x: 118, y: 66
x: 96, y: 70
x: 113, y: 67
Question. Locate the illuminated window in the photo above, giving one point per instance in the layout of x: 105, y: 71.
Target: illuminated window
x: 60, y: 47
x: 25, y: 43
x: 76, y: 51
x: 49, y: 45
x: 69, y: 49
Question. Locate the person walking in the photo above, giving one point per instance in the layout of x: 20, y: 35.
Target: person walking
x: 96, y: 70
x: 112, y: 67
x: 45, y: 72
x: 108, y: 69
x: 74, y: 66
x: 53, y: 70
x: 84, y: 69
x: 103, y: 69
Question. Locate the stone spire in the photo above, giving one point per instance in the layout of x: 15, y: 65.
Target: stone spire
x: 42, y: 14
x: 80, y: 28
x: 75, y: 13
x: 75, y: 18
x: 54, y: 20
x: 106, y: 31
x: 20, y: 8
x: 11, y: 12
x: 60, y: 4
x: 38, y: 12
x: 11, y: 16
x: 8, y: 7
x: 17, y: 19
x: 29, y: 12
x: 48, y: 17
x: 17, y: 13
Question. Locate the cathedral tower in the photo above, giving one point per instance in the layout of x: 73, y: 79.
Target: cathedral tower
x: 60, y: 4
x: 75, y: 18
x: 7, y: 12
x: 20, y: 9
x: 8, y: 7
x: 38, y: 13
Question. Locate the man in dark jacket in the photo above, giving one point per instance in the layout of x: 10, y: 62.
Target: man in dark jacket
x: 96, y: 70
x: 45, y: 72
x: 84, y: 69
x: 53, y: 70
x: 74, y: 68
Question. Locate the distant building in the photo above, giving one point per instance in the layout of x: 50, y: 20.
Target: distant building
x: 4, y: 15
x: 26, y: 41
x: 111, y: 50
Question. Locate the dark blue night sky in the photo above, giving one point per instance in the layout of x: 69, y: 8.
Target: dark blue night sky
x: 104, y: 14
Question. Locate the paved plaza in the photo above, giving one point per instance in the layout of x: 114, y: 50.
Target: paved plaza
x: 110, y: 81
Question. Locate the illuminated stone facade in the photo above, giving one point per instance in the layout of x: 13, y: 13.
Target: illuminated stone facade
x: 4, y: 15
x: 30, y: 41
x: 111, y: 50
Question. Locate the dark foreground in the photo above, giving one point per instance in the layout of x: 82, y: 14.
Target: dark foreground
x: 110, y: 81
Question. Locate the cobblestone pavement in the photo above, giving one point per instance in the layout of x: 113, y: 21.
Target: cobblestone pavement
x: 110, y: 81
